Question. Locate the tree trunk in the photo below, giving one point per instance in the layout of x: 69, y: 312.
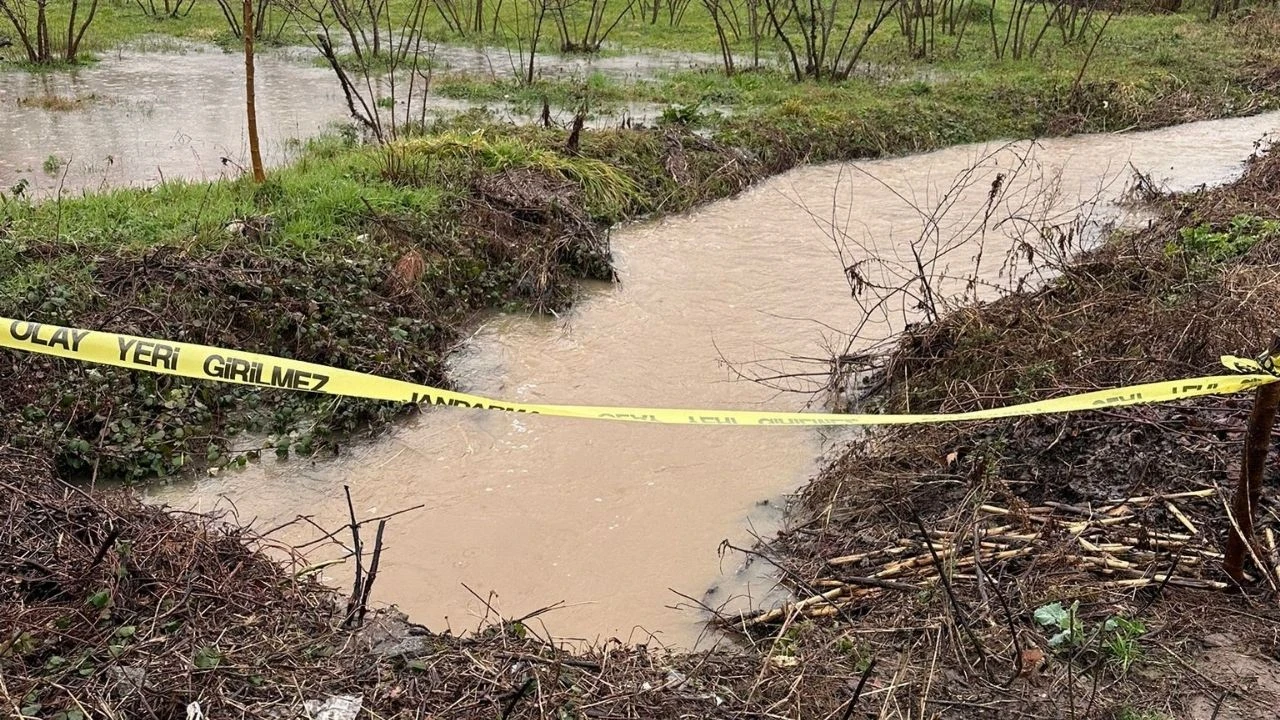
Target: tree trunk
x: 255, y: 155
x: 73, y: 44
x: 71, y: 31
x: 1249, y: 491
x: 42, y: 33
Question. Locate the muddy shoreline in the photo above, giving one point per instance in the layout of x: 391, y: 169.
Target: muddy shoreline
x: 1043, y: 493
x: 520, y: 237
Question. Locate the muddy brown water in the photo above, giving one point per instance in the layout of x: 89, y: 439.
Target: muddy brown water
x: 611, y: 518
x: 142, y: 117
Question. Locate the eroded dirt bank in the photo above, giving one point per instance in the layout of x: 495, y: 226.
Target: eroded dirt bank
x: 611, y: 518
x: 1024, y: 518
x: 1064, y: 566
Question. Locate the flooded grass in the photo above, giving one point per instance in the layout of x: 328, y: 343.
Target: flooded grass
x: 60, y: 103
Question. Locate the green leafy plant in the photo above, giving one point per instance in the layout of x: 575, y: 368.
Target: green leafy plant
x: 1122, y: 640
x: 1117, y: 636
x: 1205, y: 242
x: 690, y: 115
x: 208, y: 658
x: 1070, y: 629
x: 52, y: 165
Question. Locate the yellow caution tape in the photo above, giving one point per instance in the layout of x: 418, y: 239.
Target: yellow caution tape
x: 233, y: 366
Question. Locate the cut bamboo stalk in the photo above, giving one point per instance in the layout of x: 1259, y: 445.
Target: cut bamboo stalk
x: 1148, y: 499
x: 780, y: 612
x: 1186, y: 522
x: 1159, y: 578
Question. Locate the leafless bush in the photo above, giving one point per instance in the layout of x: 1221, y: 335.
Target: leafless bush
x: 586, y: 36
x: 723, y: 17
x: 30, y: 20
x: 270, y: 18
x: 166, y: 8
x: 1002, y: 225
x: 364, y: 25
x: 821, y: 40
x: 652, y: 9
x: 526, y: 27
x: 386, y: 72
x: 467, y: 17
x: 732, y: 20
x: 1023, y: 32
x: 1019, y: 35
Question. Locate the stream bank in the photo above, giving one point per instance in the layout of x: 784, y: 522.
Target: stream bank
x: 1029, y: 628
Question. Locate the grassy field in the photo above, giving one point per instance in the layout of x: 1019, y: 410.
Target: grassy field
x: 1134, y: 45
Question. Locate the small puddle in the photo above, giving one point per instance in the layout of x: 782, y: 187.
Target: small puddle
x: 611, y: 518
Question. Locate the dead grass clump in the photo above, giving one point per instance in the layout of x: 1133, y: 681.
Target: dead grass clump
x: 118, y: 609
x: 58, y: 103
x: 535, y: 221
x: 115, y: 609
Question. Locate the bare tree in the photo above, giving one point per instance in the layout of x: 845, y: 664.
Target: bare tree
x: 732, y: 19
x: 589, y: 35
x: 398, y: 78
x: 527, y: 29
x: 30, y: 20
x: 270, y: 18
x: 820, y: 38
x: 364, y: 25
x: 723, y: 18
x: 166, y: 8
x: 250, y: 96
x: 467, y: 17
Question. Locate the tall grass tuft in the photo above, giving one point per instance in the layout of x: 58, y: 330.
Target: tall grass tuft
x: 607, y: 190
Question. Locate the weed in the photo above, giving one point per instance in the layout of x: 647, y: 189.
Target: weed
x: 1122, y: 640
x: 57, y: 103
x: 691, y: 115
x: 1066, y: 621
x: 1205, y: 244
x: 52, y: 165
x: 1117, y: 635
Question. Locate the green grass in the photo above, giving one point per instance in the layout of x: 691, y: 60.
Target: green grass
x: 362, y: 257
x: 1149, y: 70
x: 1181, y: 44
x: 324, y: 198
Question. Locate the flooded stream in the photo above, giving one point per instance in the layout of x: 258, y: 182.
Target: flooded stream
x: 610, y: 518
